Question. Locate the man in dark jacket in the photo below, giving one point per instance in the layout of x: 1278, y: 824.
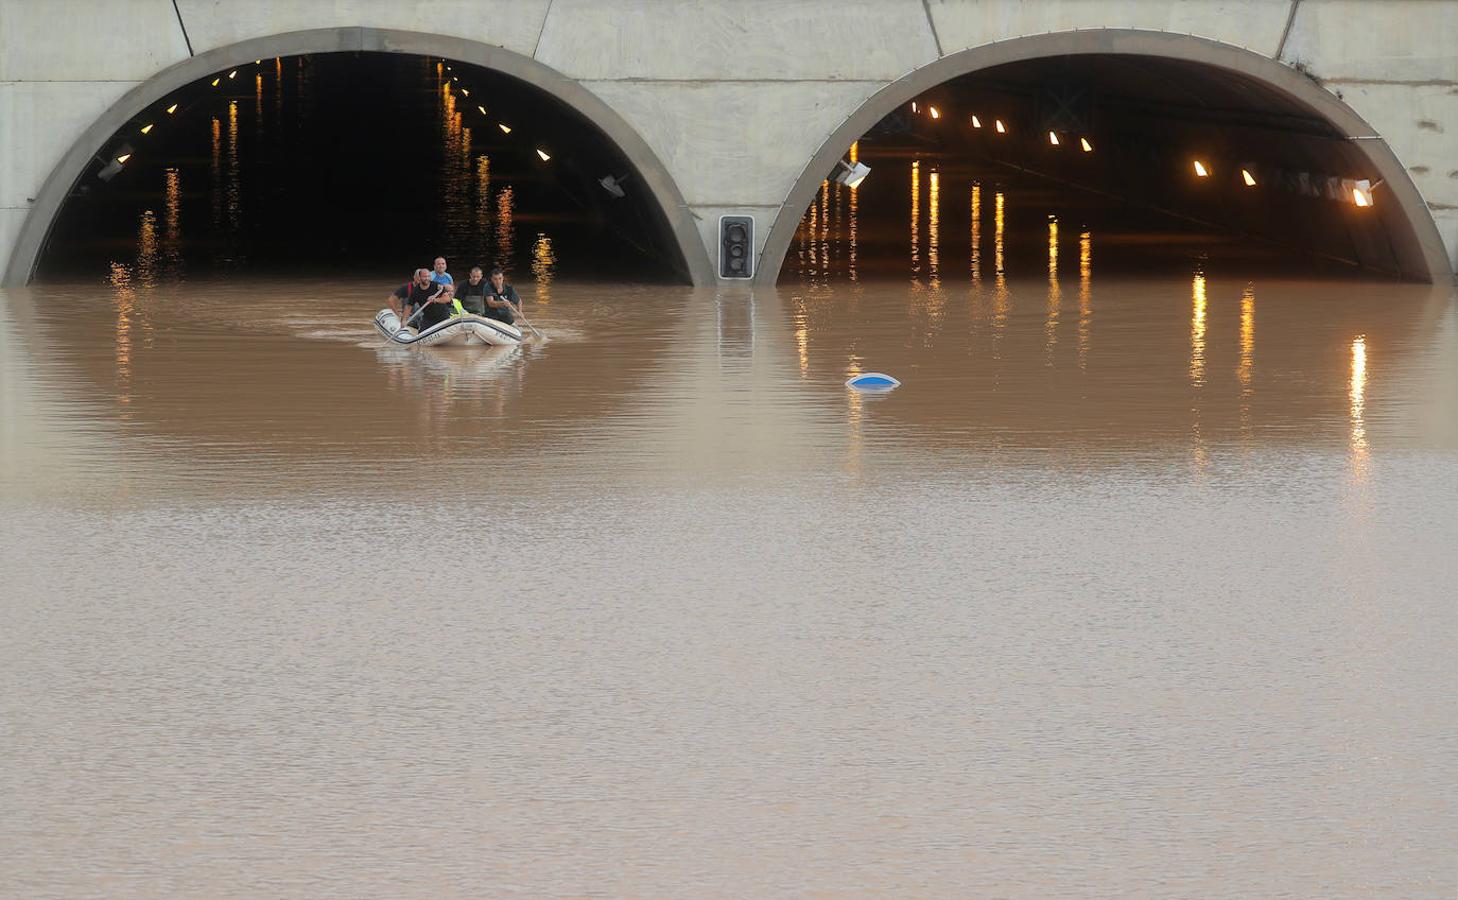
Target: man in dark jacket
x: 408, y: 298
x: 501, y: 300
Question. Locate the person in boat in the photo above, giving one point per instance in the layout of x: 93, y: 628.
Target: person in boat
x: 501, y: 298
x: 439, y: 275
x: 422, y: 292
x: 471, y: 293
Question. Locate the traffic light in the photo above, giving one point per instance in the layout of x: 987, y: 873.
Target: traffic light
x: 736, y: 247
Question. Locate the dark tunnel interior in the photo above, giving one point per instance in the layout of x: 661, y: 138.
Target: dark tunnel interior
x: 359, y: 163
x: 1165, y: 162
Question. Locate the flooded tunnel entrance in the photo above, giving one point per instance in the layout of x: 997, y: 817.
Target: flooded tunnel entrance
x: 359, y: 164
x: 1189, y: 152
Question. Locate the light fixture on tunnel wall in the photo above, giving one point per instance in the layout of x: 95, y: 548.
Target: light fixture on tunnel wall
x: 1087, y: 147
x: 543, y: 154
x: 935, y: 113
x: 114, y: 165
x: 146, y: 128
x: 976, y: 122
x: 172, y: 109
x: 1200, y: 170
x: 1053, y: 138
x: 482, y: 108
x: 258, y: 62
x: 913, y: 106
x: 1359, y: 190
x: 999, y: 127
x: 852, y: 174
x: 1247, y: 177
x: 233, y: 74
x: 505, y: 128
x: 216, y: 80
x: 613, y: 184
x: 466, y: 91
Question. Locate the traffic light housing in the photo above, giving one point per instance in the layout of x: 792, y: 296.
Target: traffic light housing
x: 736, y: 247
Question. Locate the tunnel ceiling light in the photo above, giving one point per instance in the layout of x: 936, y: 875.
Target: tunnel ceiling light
x: 505, y: 128
x: 215, y: 81
x: 1200, y: 170
x: 852, y: 174
x: 123, y: 158
x: 1087, y: 147
x: 1001, y: 128
x: 456, y: 78
x: 613, y: 184
x: 543, y: 154
x: 466, y: 91
x: 1360, y: 191
x: 976, y: 122
x: 258, y: 62
x: 482, y: 108
x: 935, y: 113
x: 1053, y: 138
x: 172, y: 109
x: 913, y: 106
x: 1248, y: 178
x: 146, y: 128
x: 233, y: 74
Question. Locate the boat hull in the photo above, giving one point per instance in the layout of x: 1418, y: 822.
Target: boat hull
x: 456, y: 331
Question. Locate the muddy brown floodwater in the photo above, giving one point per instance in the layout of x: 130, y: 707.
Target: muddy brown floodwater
x: 1136, y: 587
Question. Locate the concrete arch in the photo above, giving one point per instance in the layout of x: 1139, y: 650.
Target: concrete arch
x: 1414, y: 233
x: 53, y: 193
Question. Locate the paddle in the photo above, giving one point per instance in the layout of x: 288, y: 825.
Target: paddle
x: 417, y: 312
x: 516, y: 312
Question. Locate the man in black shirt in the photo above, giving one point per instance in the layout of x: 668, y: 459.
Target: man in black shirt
x: 408, y: 298
x: 501, y: 299
x: 472, y: 293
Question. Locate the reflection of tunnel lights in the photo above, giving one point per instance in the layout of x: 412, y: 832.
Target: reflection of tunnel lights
x: 146, y: 128
x: 505, y: 129
x: 1248, y: 178
x: 1053, y: 138
x: 1087, y: 147
x: 543, y: 154
x: 1200, y: 170
x: 172, y: 109
x: 976, y: 122
x: 935, y: 113
x: 1001, y: 128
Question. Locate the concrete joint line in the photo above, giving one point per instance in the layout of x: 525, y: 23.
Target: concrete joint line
x: 185, y: 39
x: 543, y: 30
x: 932, y: 24
x: 1286, y: 32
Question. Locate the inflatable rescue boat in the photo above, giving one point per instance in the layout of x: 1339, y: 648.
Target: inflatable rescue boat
x: 453, y: 332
